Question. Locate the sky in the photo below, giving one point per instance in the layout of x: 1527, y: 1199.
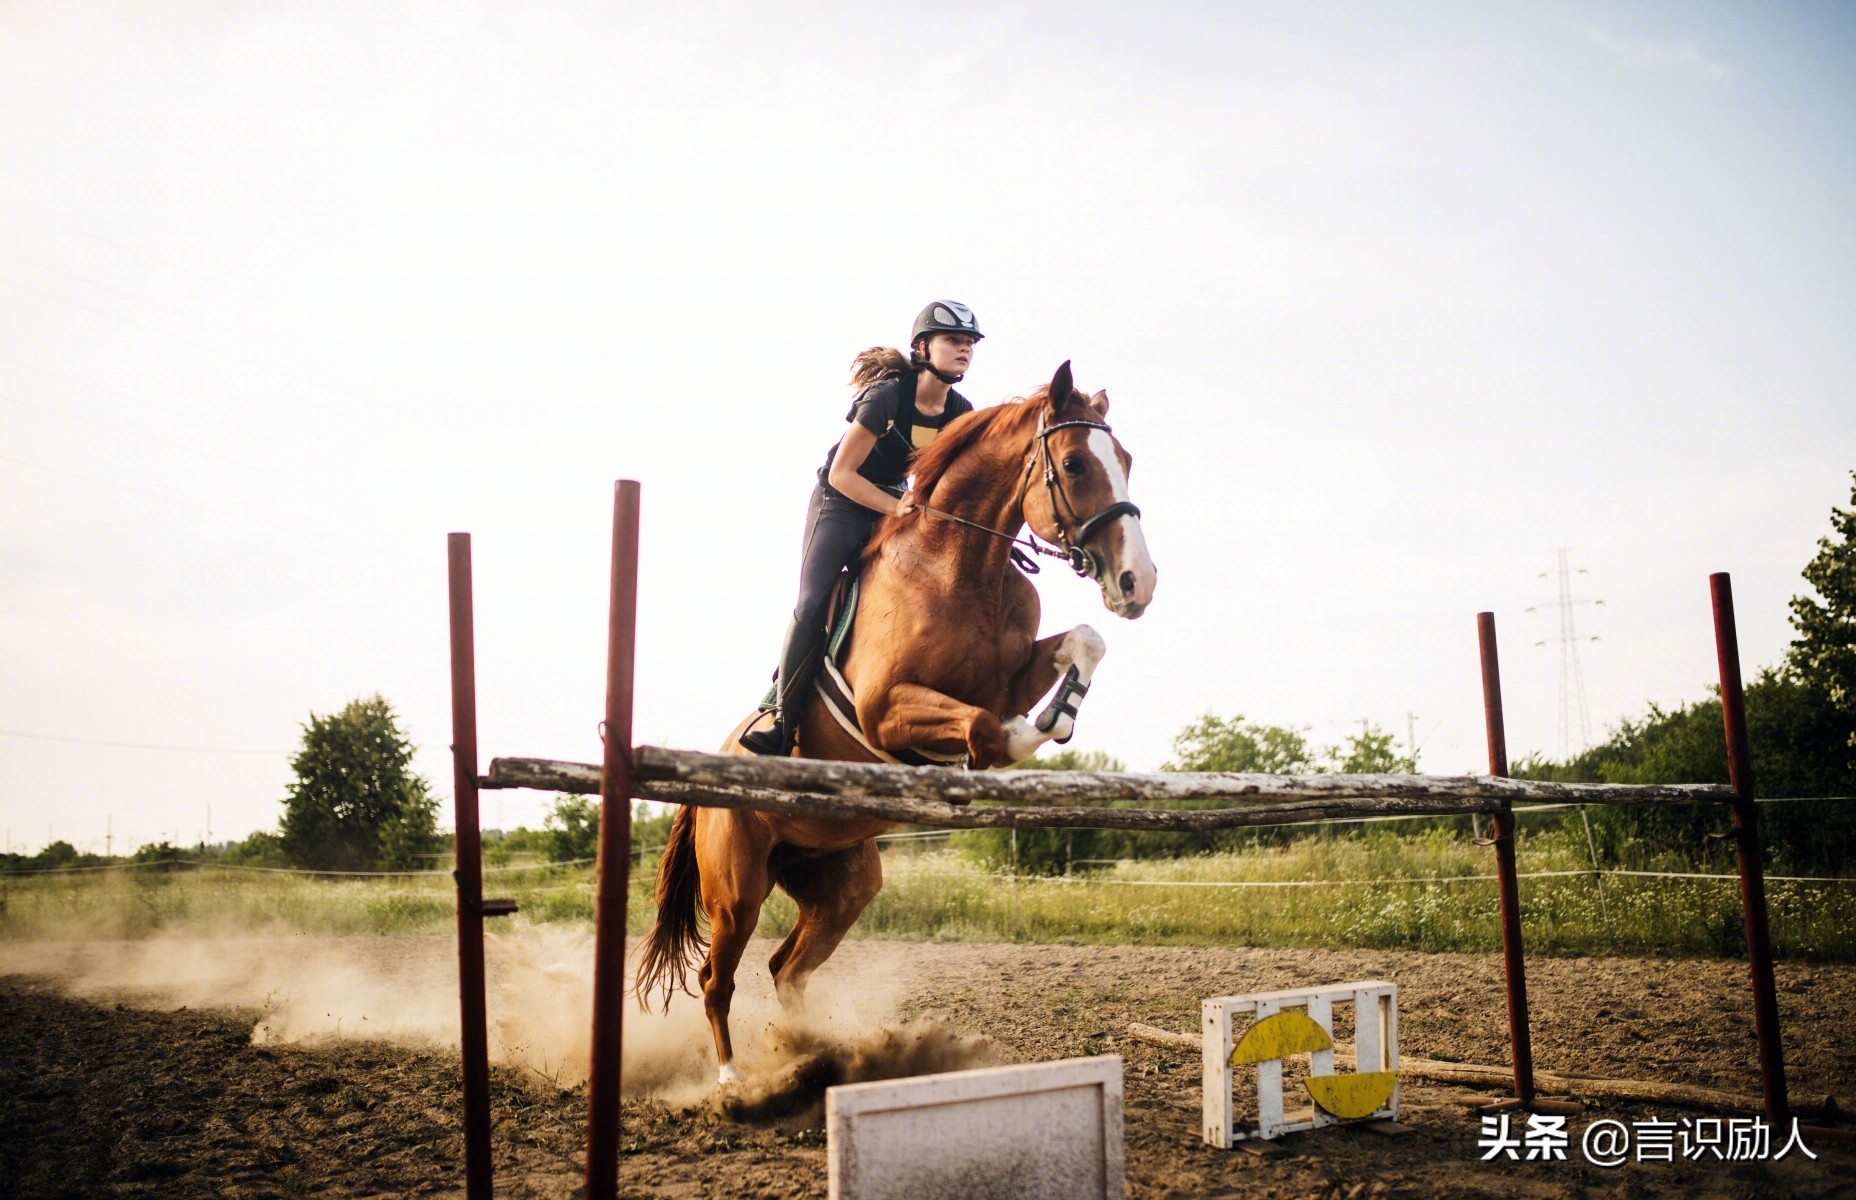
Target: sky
x: 1394, y: 302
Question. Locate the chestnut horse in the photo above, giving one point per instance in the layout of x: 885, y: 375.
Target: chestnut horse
x: 943, y: 658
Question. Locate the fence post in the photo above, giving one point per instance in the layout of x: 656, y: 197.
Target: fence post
x: 615, y: 853
x: 1746, y: 850
x: 1512, y: 962
x: 468, y: 848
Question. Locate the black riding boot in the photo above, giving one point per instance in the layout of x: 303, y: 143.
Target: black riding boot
x: 798, y: 662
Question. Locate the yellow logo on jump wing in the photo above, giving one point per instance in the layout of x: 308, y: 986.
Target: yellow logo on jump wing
x: 1285, y: 1033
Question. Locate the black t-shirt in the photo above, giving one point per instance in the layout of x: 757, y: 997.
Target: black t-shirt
x: 887, y: 409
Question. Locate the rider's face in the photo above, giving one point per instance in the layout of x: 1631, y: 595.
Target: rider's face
x: 950, y: 353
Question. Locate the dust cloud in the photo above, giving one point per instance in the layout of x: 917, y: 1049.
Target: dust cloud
x: 319, y: 991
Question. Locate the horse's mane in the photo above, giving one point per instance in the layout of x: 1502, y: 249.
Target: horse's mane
x: 1005, y: 421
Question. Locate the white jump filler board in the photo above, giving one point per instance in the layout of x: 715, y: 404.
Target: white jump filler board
x: 1375, y: 1022
x: 1045, y: 1131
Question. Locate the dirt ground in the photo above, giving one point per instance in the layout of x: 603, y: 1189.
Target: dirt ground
x: 108, y: 1087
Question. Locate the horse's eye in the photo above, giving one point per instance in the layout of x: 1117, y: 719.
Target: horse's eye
x: 1073, y: 467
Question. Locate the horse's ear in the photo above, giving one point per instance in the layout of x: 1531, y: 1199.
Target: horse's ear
x: 1062, y: 388
x: 1099, y: 402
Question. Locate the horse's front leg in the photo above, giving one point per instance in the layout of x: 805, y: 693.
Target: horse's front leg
x: 1066, y: 659
x: 913, y: 716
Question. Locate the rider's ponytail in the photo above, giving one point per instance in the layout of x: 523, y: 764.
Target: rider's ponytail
x: 876, y: 363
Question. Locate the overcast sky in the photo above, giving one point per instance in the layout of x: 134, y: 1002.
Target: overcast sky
x: 1393, y: 302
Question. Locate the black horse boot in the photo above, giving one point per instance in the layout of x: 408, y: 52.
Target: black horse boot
x: 798, y: 661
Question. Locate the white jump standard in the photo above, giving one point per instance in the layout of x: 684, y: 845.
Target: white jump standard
x: 1299, y: 1021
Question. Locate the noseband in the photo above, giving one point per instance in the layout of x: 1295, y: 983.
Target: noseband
x: 1083, y: 561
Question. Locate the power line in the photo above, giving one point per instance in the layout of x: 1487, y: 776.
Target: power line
x: 133, y: 434
x: 123, y: 292
x: 52, y: 737
x: 298, y: 380
x: 50, y: 220
x: 135, y: 491
x: 134, y: 399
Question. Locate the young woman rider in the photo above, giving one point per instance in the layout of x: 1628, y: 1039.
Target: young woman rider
x: 901, y: 405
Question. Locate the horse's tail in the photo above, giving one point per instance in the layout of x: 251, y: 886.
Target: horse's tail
x: 674, y: 942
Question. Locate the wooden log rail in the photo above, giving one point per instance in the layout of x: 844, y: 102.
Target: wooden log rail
x: 1063, y: 799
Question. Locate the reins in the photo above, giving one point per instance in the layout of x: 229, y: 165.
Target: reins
x: 1020, y: 559
x: 1074, y: 552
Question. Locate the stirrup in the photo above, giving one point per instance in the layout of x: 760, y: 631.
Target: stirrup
x: 774, y: 741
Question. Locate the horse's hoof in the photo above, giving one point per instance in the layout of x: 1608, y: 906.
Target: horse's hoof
x: 727, y: 1075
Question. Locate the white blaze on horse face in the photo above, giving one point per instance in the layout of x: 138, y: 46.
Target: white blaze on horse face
x: 1134, y: 561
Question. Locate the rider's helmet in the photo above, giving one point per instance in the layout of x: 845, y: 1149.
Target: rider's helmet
x: 945, y: 316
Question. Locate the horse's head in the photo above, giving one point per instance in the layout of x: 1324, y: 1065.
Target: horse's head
x: 1077, y: 497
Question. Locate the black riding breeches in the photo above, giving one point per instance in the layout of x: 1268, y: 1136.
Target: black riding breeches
x: 836, y: 530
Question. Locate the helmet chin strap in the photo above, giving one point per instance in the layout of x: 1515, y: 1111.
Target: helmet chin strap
x: 921, y: 360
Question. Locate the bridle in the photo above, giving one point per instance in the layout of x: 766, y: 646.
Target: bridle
x: 1074, y: 550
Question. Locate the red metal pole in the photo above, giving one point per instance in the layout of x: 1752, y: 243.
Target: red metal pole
x: 468, y: 851
x: 1512, y: 962
x: 615, y: 853
x: 1746, y: 849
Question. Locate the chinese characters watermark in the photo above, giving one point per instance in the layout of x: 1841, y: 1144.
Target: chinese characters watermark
x: 1612, y: 1143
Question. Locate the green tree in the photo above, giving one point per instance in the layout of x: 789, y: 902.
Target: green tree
x: 1370, y: 752
x: 57, y: 854
x: 571, y: 830
x: 355, y: 804
x: 1214, y: 743
x: 1794, y: 732
x: 156, y: 852
x: 1824, y: 653
x: 261, y: 849
x: 572, y: 827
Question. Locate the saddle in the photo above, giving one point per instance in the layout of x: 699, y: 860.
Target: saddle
x: 835, y: 690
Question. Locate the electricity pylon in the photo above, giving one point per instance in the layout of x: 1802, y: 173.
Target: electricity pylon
x: 1575, y: 718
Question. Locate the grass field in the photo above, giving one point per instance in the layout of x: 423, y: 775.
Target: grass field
x: 1420, y: 891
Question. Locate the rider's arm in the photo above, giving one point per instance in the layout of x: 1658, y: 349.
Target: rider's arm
x: 852, y: 450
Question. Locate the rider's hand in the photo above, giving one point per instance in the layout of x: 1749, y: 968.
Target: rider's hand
x: 905, y: 506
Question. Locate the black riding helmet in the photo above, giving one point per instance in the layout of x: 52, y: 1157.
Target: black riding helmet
x: 942, y: 316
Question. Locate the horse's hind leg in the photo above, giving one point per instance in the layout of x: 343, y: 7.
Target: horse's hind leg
x: 1066, y: 659
x: 732, y: 893
x: 831, y: 891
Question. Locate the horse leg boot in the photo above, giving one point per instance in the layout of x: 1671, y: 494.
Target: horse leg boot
x: 799, y: 654
x: 1069, y: 660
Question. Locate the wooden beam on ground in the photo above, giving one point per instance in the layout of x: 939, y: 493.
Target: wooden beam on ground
x: 1433, y: 1071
